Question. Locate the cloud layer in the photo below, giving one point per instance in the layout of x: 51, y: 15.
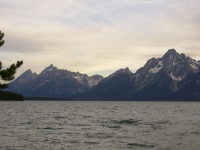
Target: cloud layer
x: 93, y: 36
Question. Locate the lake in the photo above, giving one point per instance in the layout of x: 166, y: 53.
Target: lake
x: 45, y: 125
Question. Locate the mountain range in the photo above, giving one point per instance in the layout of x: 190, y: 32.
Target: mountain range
x: 53, y: 82
x: 174, y: 76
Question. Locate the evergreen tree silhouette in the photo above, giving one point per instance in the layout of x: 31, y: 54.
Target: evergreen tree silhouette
x: 7, y: 74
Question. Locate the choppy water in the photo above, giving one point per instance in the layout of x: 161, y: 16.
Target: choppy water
x: 99, y: 125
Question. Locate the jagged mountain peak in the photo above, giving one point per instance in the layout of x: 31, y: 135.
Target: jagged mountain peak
x: 96, y: 77
x: 125, y: 70
x: 27, y: 72
x: 170, y: 52
x: 25, y: 77
x: 49, y: 68
x: 172, y: 64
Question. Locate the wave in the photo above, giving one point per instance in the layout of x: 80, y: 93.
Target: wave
x: 132, y: 145
x: 128, y: 121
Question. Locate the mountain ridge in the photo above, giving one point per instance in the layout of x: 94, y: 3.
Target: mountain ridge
x: 160, y: 78
x: 169, y: 77
x: 53, y: 82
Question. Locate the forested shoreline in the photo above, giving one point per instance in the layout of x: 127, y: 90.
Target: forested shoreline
x: 10, y: 96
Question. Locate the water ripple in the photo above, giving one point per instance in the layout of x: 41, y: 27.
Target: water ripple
x: 99, y: 125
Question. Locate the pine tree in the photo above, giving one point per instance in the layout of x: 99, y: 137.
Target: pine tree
x: 1, y: 37
x: 7, y: 74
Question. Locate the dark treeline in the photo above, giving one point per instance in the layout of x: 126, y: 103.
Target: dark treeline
x: 10, y: 96
x: 46, y: 98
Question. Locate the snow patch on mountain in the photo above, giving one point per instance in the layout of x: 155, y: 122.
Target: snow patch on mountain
x: 157, y: 68
x: 177, y: 79
x: 50, y: 69
x: 79, y: 78
x: 171, y: 57
x: 194, y: 66
x: 174, y: 63
x: 92, y: 82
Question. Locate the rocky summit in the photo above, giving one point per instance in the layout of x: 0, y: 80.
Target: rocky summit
x: 172, y: 64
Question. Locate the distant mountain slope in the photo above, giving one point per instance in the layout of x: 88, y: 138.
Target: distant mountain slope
x: 109, y: 89
x: 53, y: 82
x: 171, y: 77
x: 190, y: 87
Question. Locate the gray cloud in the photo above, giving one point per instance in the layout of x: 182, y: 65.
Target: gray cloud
x: 111, y: 34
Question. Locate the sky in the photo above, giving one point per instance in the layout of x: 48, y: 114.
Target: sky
x: 96, y: 36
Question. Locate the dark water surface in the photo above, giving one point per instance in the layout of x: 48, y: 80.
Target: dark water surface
x: 40, y: 125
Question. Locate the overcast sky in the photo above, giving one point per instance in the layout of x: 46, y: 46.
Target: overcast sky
x: 96, y: 36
